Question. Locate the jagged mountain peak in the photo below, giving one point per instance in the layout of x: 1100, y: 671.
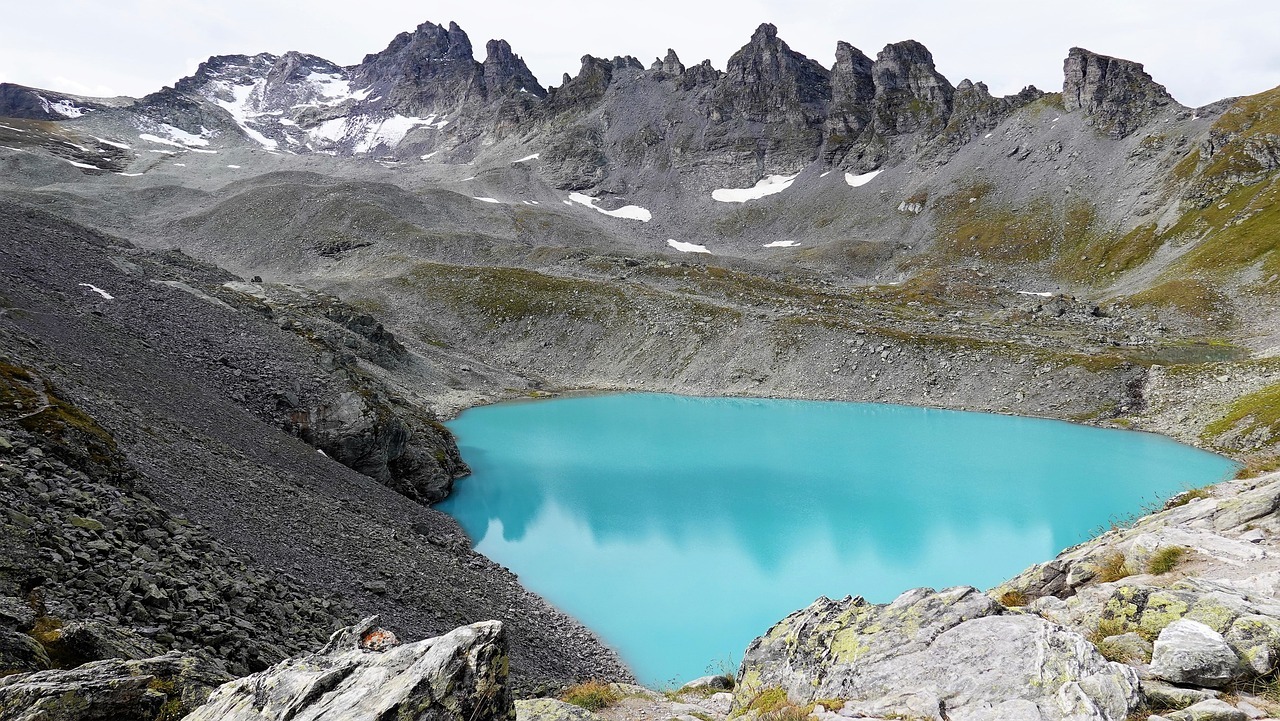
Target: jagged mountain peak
x: 506, y: 72
x: 1117, y: 94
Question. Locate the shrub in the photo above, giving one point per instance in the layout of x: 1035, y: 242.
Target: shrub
x: 1165, y: 559
x: 591, y: 695
x: 1014, y: 598
x: 1187, y: 496
x: 1113, y: 568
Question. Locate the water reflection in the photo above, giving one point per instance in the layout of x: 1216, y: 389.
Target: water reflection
x: 680, y: 528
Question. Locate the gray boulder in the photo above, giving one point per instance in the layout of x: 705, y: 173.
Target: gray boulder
x: 461, y: 675
x: 717, y: 683
x: 953, y: 654
x: 550, y: 709
x: 1210, y: 710
x: 20, y: 652
x: 168, y: 686
x: 1190, y: 652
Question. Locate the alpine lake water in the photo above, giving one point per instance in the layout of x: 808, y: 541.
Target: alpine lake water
x: 679, y: 529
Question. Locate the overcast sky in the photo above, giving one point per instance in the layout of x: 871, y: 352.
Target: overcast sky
x: 1201, y: 51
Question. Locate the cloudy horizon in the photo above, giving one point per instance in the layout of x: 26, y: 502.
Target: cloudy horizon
x: 134, y: 47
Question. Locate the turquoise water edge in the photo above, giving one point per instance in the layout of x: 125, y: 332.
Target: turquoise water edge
x: 678, y: 529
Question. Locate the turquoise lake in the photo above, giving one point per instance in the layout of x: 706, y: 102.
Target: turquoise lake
x: 678, y: 529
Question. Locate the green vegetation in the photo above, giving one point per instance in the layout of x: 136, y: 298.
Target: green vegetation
x: 1087, y: 250
x: 1165, y: 559
x: 973, y: 225
x: 511, y: 294
x: 1187, y: 496
x: 591, y: 695
x: 1112, y: 567
x: 1248, y: 413
x: 1192, y: 297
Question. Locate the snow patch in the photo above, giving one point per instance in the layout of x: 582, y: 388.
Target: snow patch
x: 288, y: 122
x: 112, y: 143
x: 368, y: 133
x: 97, y: 290
x: 529, y: 157
x: 335, y: 89
x: 857, y: 181
x: 987, y: 135
x: 84, y: 165
x: 428, y: 155
x: 181, y: 165
x: 825, y: 174
x: 1031, y: 292
x: 629, y: 212
x: 687, y: 247
x: 238, y: 108
x: 130, y: 175
x: 782, y: 244
x: 485, y: 200
x: 766, y: 186
x: 234, y: 167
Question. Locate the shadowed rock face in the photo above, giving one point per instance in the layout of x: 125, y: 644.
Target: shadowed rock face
x: 430, y: 70
x: 911, y: 94
x: 506, y: 73
x: 1118, y: 94
x: 766, y: 81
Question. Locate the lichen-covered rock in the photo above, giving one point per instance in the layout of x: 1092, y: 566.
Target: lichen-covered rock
x: 1256, y: 640
x: 461, y: 675
x: 954, y: 652
x: 1209, y: 710
x: 168, y: 687
x: 1190, y: 652
x: 20, y: 652
x: 550, y: 709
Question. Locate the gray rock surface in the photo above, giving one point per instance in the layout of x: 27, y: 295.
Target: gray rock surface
x: 167, y: 687
x: 1190, y: 652
x: 550, y: 709
x: 928, y: 653
x: 1117, y: 94
x: 461, y: 675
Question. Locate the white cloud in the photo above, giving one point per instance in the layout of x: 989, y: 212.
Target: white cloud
x: 137, y: 46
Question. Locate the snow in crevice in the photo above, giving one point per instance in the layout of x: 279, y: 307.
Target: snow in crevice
x: 334, y: 89
x: 687, y: 247
x: 65, y: 108
x: 97, y: 290
x: 629, y: 212
x: 485, y: 200
x: 766, y: 186
x: 368, y: 133
x: 857, y: 181
x: 528, y: 158
x: 1032, y: 292
x: 176, y: 137
x: 86, y: 166
x: 130, y: 175
x: 113, y: 143
x: 782, y: 244
x: 238, y: 108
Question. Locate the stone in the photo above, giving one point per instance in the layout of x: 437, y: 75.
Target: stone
x: 1256, y: 640
x: 550, y: 709
x: 138, y: 690
x: 461, y: 675
x: 16, y: 614
x: 928, y: 651
x: 1190, y: 652
x: 1127, y: 648
x: 1164, y: 695
x: 1214, y: 710
x: 721, y: 683
x: 20, y: 653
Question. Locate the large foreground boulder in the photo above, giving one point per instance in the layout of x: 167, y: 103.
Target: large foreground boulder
x: 363, y: 675
x: 165, y: 687
x: 954, y: 654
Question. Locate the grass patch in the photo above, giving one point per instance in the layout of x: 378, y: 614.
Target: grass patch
x: 1187, y: 496
x: 974, y: 225
x: 591, y: 695
x: 1190, y: 296
x: 510, y: 294
x: 1257, y: 410
x: 1112, y: 567
x: 1014, y: 598
x: 1165, y: 560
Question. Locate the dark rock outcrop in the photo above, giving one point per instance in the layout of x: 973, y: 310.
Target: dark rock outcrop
x: 154, y: 689
x: 505, y: 72
x: 363, y: 675
x: 429, y: 70
x: 1117, y: 95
